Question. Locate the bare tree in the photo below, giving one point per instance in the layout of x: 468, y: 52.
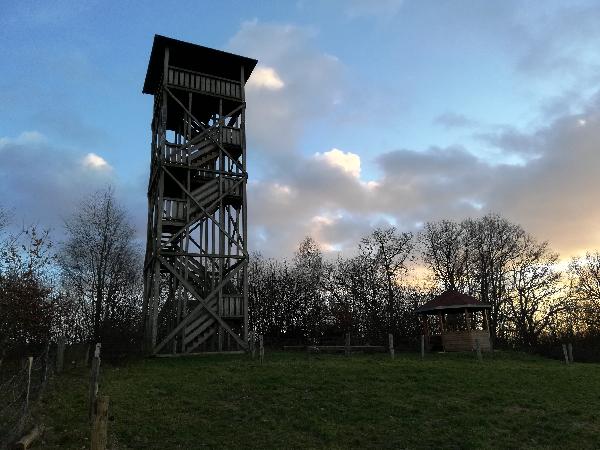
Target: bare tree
x: 584, y: 287
x: 101, y: 267
x: 446, y: 253
x: 493, y: 243
x: 388, y: 253
x: 535, y: 294
x: 308, y: 287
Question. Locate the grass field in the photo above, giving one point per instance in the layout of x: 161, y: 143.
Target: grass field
x: 448, y: 400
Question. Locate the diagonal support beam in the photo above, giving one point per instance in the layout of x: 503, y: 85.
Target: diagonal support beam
x: 203, y: 304
x: 218, y: 144
x: 204, y: 211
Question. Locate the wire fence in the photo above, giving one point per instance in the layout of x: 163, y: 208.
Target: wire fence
x: 22, y: 383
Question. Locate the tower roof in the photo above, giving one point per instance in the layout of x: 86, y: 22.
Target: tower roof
x: 193, y: 57
x: 451, y: 300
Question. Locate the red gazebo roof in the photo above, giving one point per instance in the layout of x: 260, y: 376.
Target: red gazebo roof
x: 451, y: 300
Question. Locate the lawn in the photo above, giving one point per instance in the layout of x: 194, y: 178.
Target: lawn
x: 447, y: 400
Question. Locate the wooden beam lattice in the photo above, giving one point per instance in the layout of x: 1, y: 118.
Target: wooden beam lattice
x: 196, y: 264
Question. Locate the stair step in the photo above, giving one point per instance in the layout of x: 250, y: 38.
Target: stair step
x: 201, y: 341
x: 208, y: 321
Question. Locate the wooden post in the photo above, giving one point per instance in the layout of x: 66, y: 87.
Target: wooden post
x: 468, y: 319
x: 478, y: 349
x: 94, y: 373
x: 564, y: 347
x: 86, y: 357
x: 261, y: 348
x: 422, y: 346
x: 570, y: 352
x: 99, y: 424
x: 252, y: 343
x: 60, y: 354
x: 391, y: 344
x: 29, y: 363
x: 28, y: 439
x: 347, y: 347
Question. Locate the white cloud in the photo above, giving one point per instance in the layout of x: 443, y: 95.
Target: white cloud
x: 93, y: 161
x: 25, y: 138
x: 46, y: 181
x: 265, y: 78
x: 347, y: 161
x: 294, y: 85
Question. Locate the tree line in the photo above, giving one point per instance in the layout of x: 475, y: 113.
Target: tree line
x: 88, y: 286
x: 533, y: 299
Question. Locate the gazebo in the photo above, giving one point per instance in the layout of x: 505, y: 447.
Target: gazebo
x: 462, y: 321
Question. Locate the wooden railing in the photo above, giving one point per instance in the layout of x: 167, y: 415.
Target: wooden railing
x: 232, y: 306
x: 232, y: 186
x: 231, y: 136
x: 174, y: 209
x: 173, y: 153
x: 204, y: 83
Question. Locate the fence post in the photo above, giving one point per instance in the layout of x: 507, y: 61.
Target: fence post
x: 564, y: 348
x: 261, y: 349
x: 391, y: 344
x: 29, y: 363
x: 478, y: 349
x: 347, y: 349
x: 99, y: 424
x: 570, y: 352
x: 60, y: 353
x: 94, y: 380
x: 86, y: 359
x: 252, y: 345
x: 422, y: 346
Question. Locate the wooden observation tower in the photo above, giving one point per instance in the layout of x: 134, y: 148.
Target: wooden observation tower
x: 196, y: 266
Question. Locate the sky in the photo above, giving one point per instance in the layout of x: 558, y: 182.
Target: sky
x: 361, y: 113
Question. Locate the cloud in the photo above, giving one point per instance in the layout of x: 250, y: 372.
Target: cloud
x: 295, y: 84
x: 346, y: 161
x: 454, y: 120
x: 95, y: 162
x: 33, y: 138
x: 265, y: 78
x: 554, y: 195
x: 46, y: 182
x: 560, y: 40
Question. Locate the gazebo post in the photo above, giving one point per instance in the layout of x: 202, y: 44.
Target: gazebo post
x: 441, y: 316
x: 468, y: 319
x: 425, y: 329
